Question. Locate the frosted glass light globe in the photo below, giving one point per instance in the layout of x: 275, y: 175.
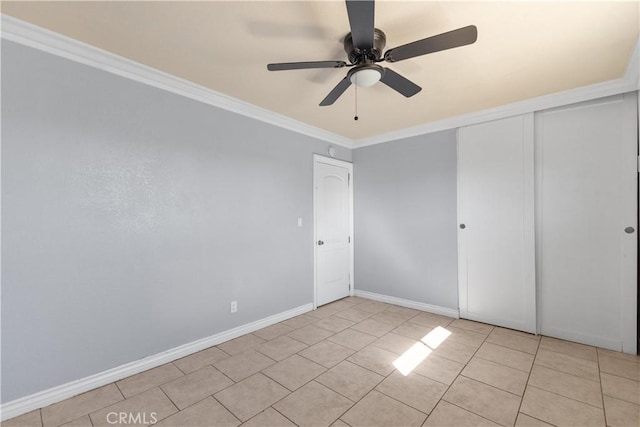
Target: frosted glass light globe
x: 366, y: 77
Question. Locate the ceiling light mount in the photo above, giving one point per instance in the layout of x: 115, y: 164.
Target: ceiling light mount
x: 356, y: 55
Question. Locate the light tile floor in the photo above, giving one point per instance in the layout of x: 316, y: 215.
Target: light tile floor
x: 335, y: 366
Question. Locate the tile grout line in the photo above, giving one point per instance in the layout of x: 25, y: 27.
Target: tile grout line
x: 570, y: 355
x: 526, y: 384
x: 234, y: 383
x: 542, y: 421
x: 604, y: 409
x: 278, y: 361
x: 151, y: 388
x: 193, y: 354
x: 618, y: 376
x: 221, y: 404
x: 282, y: 398
x: 570, y: 342
x: 173, y: 403
x: 229, y: 409
x: 251, y: 347
x: 354, y: 330
x: 510, y: 348
x: 617, y: 356
x: 119, y: 390
x: 364, y: 367
x: 292, y: 422
x: 183, y: 372
x: 458, y: 376
x: 186, y: 407
x: 223, y: 374
x: 568, y: 373
x: 204, y: 398
x: 466, y: 410
x: 319, y: 364
x: 493, y: 386
x: 566, y: 397
x: 350, y: 348
x: 374, y: 387
x: 399, y: 401
x: 503, y: 365
x: 88, y: 414
x: 287, y: 388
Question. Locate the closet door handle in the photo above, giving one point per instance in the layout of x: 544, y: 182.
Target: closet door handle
x: 629, y: 230
x: 462, y: 226
x: 320, y: 243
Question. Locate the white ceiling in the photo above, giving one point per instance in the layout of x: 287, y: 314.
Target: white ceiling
x: 524, y: 50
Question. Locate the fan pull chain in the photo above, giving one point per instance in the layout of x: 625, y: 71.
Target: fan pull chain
x: 356, y: 99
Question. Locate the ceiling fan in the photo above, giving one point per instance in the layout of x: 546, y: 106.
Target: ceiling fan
x: 364, y: 46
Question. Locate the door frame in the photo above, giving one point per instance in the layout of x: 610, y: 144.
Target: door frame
x: 317, y: 158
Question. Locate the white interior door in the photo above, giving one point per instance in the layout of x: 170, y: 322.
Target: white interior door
x: 333, y: 224
x: 586, y: 179
x: 496, y: 247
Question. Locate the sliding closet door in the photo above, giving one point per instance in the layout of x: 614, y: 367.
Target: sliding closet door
x: 586, y: 197
x: 496, y: 245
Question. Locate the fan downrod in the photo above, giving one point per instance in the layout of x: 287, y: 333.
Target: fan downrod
x: 357, y: 56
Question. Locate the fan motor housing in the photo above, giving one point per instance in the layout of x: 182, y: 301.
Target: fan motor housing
x: 356, y: 55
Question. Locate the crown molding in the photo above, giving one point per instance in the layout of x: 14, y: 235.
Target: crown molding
x: 27, y: 34
x: 628, y: 83
x: 599, y: 90
x: 632, y: 74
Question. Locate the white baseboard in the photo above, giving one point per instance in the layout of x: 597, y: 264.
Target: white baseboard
x: 518, y: 326
x: 594, y: 340
x: 449, y: 312
x: 56, y: 394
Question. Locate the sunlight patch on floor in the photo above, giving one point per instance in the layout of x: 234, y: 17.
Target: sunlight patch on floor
x: 411, y: 358
x: 420, y: 350
x: 436, y: 337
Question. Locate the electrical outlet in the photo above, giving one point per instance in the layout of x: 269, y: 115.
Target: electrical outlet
x: 234, y: 306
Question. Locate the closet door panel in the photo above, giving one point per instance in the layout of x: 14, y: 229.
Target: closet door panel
x: 495, y: 207
x: 586, y: 196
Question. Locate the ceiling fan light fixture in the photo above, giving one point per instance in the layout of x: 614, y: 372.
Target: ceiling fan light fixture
x: 364, y: 46
x: 366, y: 75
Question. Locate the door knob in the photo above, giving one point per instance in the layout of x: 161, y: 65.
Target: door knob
x: 320, y: 243
x: 462, y: 226
x: 629, y: 230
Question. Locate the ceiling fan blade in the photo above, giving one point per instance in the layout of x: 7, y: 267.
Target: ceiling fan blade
x: 304, y: 65
x: 361, y: 15
x: 398, y: 83
x: 336, y: 92
x: 456, y: 38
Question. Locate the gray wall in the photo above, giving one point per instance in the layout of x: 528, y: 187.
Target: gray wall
x: 405, y: 219
x: 131, y: 217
